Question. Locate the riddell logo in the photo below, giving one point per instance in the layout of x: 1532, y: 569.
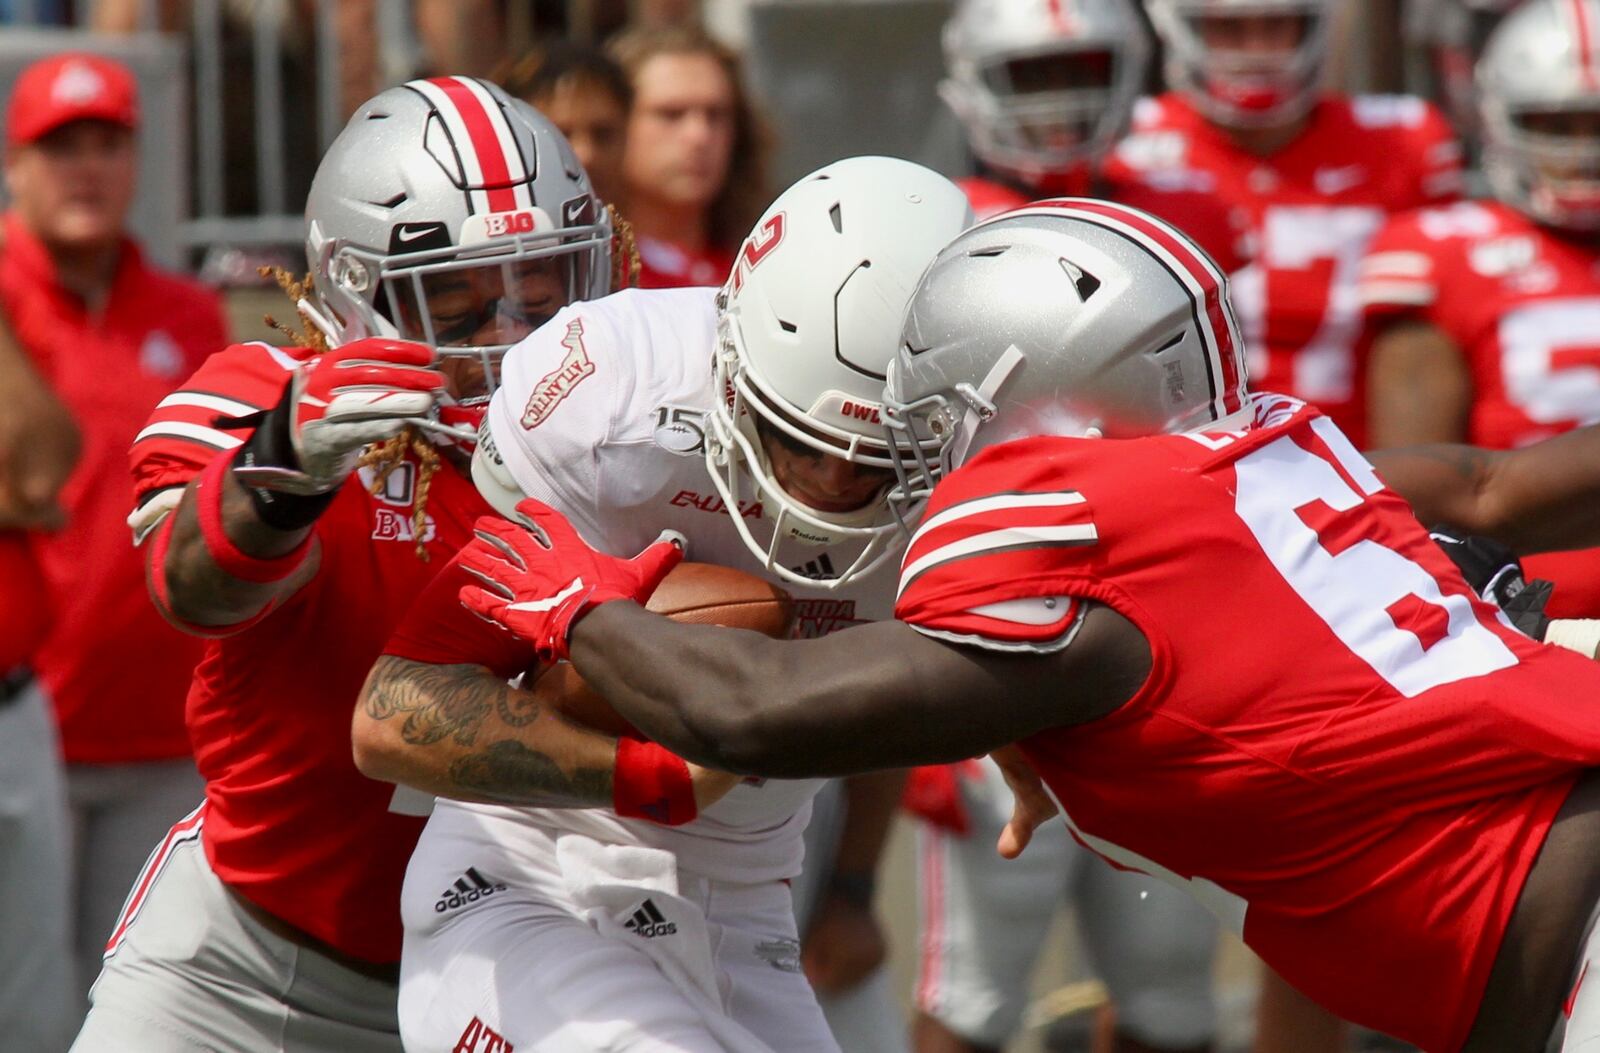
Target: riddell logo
x: 690, y: 499
x: 389, y: 525
x: 559, y: 382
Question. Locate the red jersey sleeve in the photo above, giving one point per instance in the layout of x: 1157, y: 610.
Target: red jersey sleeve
x: 438, y: 630
x: 1003, y: 557
x: 182, y: 436
x: 1399, y: 273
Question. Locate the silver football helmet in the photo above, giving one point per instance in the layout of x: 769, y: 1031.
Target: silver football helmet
x: 807, y: 323
x: 1042, y: 86
x: 450, y: 213
x: 1240, y: 89
x: 1064, y: 317
x: 1539, y: 74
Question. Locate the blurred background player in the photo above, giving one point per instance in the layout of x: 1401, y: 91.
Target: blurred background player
x: 111, y: 335
x: 1248, y: 121
x: 260, y: 533
x: 1488, y: 313
x: 1043, y: 93
x: 694, y: 172
x: 1444, y: 39
x: 586, y: 95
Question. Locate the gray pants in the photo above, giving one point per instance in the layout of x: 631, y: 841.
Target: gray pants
x: 193, y: 971
x: 37, y: 1007
x: 118, y: 812
x: 866, y: 1018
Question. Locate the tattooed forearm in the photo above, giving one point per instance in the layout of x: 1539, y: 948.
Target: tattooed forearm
x: 510, y: 771
x: 439, y: 701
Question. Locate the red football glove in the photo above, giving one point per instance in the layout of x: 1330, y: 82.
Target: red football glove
x: 540, y: 579
x: 337, y: 403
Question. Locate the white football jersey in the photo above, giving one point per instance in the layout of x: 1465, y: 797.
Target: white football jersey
x: 599, y: 414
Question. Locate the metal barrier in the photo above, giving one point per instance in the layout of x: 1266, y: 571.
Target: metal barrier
x: 256, y: 133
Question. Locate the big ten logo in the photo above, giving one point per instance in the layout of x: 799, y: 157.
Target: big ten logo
x: 399, y: 486
x: 814, y: 618
x: 757, y: 247
x: 504, y: 224
x: 390, y: 525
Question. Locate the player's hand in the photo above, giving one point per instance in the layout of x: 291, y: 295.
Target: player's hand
x: 1032, y: 806
x: 338, y: 403
x: 540, y: 578
x: 710, y: 786
x: 843, y: 946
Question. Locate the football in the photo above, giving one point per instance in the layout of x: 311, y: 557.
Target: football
x: 696, y: 593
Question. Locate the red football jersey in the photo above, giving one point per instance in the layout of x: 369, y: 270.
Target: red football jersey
x: 664, y: 265
x: 1522, y: 303
x: 290, y: 823
x: 1313, y: 206
x: 1338, y: 749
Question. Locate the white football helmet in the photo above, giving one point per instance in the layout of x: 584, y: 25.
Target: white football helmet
x: 1042, y: 86
x: 450, y: 213
x: 1543, y: 62
x: 1237, y: 89
x: 1064, y: 317
x: 808, y: 321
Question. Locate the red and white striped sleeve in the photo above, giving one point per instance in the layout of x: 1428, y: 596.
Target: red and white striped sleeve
x: 1001, y: 560
x: 1399, y: 274
x: 184, y: 432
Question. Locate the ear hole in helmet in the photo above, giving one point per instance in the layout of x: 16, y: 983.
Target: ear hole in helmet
x: 394, y: 202
x: 1168, y: 346
x: 989, y: 253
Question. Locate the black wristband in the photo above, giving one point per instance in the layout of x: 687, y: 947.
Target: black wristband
x: 269, y: 445
x: 855, y: 887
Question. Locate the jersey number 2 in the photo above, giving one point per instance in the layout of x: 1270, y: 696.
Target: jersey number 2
x: 1386, y: 608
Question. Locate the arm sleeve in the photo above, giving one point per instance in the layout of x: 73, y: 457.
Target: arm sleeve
x: 438, y: 630
x: 183, y: 435
x: 1001, y: 559
x: 1440, y: 178
x: 1399, y: 273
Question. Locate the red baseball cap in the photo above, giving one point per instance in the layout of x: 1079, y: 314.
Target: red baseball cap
x: 71, y: 87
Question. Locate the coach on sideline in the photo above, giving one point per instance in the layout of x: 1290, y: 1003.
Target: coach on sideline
x: 111, y: 336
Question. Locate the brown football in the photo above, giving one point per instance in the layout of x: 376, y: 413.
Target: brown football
x: 697, y: 593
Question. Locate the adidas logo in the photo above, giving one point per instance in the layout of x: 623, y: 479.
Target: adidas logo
x: 649, y: 922
x: 819, y: 569
x: 470, y: 887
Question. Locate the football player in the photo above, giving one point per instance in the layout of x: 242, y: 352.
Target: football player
x: 1043, y: 91
x: 1487, y: 312
x: 600, y: 929
x: 446, y: 215
x: 1228, y: 649
x: 1315, y: 173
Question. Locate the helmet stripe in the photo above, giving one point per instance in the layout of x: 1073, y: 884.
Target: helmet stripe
x: 487, y: 149
x: 1199, y: 275
x: 1583, y: 31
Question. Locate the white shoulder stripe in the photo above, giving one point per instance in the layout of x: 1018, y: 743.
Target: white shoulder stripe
x: 231, y: 407
x: 177, y: 429
x: 997, y: 540
x: 996, y: 503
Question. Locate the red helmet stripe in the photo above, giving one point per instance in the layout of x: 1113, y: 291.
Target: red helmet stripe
x: 1196, y: 270
x: 1583, y: 30
x: 499, y: 164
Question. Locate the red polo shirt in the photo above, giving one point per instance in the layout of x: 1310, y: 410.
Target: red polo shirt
x: 117, y: 672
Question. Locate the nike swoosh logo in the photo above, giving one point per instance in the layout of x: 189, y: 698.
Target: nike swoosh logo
x: 413, y: 235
